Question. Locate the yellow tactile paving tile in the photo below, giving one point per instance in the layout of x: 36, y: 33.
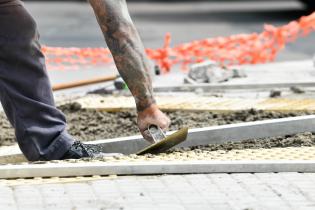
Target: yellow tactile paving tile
x: 287, y: 104
x: 52, y: 180
x: 289, y: 153
x: 198, y: 103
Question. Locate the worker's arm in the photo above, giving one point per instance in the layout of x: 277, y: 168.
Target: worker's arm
x: 132, y: 63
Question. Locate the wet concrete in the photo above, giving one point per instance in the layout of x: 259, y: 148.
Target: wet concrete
x: 257, y: 149
x: 88, y: 125
x: 7, y: 133
x: 298, y: 140
x: 217, y: 151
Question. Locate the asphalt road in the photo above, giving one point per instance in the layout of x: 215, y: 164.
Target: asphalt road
x: 73, y: 23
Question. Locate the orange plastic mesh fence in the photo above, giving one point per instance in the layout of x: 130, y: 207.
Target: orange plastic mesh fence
x: 237, y: 49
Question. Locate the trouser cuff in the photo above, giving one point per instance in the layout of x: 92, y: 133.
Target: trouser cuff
x: 58, y: 147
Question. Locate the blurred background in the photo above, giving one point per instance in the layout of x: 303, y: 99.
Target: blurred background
x: 72, y: 23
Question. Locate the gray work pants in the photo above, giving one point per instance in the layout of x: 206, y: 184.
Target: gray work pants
x: 25, y: 90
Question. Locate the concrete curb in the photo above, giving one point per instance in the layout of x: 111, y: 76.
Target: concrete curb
x: 217, y: 87
x: 152, y: 168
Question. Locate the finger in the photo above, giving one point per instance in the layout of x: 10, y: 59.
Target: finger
x: 165, y: 124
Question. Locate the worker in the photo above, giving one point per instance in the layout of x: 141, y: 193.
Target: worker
x: 26, y: 93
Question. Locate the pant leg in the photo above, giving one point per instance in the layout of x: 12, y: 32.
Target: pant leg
x: 25, y: 90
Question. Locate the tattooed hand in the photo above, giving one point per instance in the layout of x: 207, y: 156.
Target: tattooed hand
x: 151, y: 116
x: 126, y: 47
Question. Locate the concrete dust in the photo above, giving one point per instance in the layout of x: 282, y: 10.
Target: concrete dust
x: 88, y: 125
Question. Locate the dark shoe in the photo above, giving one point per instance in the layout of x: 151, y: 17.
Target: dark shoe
x: 79, y: 150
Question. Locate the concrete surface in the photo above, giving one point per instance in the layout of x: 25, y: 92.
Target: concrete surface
x: 279, y: 191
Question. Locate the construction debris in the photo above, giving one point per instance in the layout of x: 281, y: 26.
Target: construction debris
x: 275, y: 93
x: 208, y: 72
x: 212, y: 72
x: 297, y: 90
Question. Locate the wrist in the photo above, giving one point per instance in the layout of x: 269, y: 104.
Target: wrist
x: 146, y: 105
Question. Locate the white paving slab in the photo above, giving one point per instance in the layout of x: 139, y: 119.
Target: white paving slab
x: 282, y: 191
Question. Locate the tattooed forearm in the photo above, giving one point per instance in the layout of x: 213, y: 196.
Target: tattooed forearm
x: 126, y: 47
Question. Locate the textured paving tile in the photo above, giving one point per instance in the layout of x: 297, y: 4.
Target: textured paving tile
x: 7, y: 200
x: 182, y: 102
x: 183, y: 192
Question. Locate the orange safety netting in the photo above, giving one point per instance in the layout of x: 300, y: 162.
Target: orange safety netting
x: 237, y: 49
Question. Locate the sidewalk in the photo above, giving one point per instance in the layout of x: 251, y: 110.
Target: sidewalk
x: 172, y: 192
x: 183, y: 192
